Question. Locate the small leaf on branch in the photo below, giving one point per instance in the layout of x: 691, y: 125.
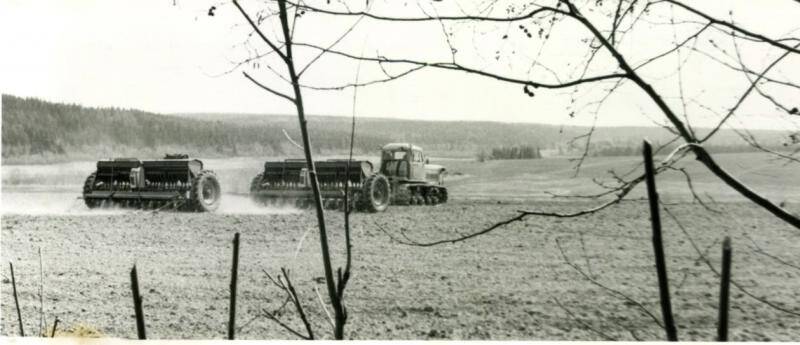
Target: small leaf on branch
x: 527, y: 91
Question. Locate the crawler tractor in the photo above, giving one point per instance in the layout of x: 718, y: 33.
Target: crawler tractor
x: 404, y: 177
x: 175, y: 182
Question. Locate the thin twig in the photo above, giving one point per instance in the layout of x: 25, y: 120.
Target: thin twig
x: 268, y: 89
x: 613, y: 292
x: 323, y: 307
x: 759, y: 37
x: 759, y: 250
x: 275, y: 319
x: 255, y: 27
x: 525, y: 16
x: 298, y: 306
x: 41, y: 295
x: 582, y: 323
x: 711, y: 267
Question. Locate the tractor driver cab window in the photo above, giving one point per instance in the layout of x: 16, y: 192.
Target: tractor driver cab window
x: 400, y: 155
x: 394, y: 155
x: 417, y: 156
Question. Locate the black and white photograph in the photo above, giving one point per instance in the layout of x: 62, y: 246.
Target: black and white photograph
x: 497, y: 170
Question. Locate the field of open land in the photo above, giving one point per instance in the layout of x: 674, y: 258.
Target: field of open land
x: 587, y: 278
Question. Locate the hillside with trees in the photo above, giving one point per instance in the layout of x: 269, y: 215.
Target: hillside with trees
x: 34, y: 130
x: 39, y: 131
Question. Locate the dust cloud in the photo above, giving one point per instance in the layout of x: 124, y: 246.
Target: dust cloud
x: 55, y: 189
x: 242, y: 204
x: 42, y: 203
x: 37, y: 203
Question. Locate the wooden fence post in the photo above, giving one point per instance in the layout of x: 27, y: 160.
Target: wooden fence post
x: 658, y: 245
x: 55, y: 324
x: 234, y: 273
x: 137, y: 304
x: 16, y: 300
x: 722, y: 326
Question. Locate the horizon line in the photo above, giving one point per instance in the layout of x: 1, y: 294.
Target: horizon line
x: 391, y: 118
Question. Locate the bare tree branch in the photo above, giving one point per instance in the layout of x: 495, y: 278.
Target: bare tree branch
x: 736, y: 28
x: 525, y: 16
x: 619, y: 193
x: 334, y: 291
x: 711, y: 267
x: 613, y: 292
x: 747, y: 71
x: 583, y: 323
x: 333, y: 44
x: 759, y: 250
x: 366, y: 83
x: 672, y: 49
x: 266, y: 88
x: 700, y: 153
x: 284, y: 283
x: 744, y: 96
x: 289, y: 138
x: 690, y: 185
x: 255, y: 27
x: 324, y: 308
x: 461, y: 68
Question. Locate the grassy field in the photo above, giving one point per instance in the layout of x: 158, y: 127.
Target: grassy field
x: 526, y: 179
x: 531, y: 280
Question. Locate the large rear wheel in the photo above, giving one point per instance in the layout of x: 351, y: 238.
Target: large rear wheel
x: 87, y: 189
x: 255, y: 186
x: 206, y: 193
x: 375, y: 195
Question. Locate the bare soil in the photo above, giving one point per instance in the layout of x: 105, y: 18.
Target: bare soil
x: 505, y: 285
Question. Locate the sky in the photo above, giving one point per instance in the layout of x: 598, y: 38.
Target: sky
x: 171, y: 57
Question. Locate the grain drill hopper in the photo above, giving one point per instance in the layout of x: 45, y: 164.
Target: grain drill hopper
x: 175, y: 182
x: 287, y: 182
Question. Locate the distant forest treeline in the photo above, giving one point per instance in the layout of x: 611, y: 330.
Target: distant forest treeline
x: 513, y: 152
x: 39, y: 131
x: 33, y: 127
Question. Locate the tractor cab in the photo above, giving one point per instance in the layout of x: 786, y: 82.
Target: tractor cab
x: 403, y: 162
